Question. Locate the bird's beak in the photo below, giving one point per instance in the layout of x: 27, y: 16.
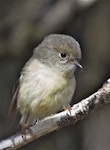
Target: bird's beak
x: 78, y: 64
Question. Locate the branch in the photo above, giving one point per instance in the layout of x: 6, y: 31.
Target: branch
x: 60, y: 120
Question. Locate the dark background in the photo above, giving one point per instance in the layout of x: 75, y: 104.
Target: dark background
x: 23, y: 25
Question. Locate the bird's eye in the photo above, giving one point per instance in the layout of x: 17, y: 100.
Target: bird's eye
x: 63, y: 55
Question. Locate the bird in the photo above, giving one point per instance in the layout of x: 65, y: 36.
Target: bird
x: 47, y: 81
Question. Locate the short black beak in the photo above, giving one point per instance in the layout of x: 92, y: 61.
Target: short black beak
x: 78, y: 64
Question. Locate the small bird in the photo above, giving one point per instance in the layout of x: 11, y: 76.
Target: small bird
x: 47, y: 82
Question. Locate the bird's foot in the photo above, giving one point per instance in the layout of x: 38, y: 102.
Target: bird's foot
x: 67, y: 107
x: 26, y: 129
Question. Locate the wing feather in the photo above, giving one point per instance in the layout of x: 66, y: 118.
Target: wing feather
x: 13, y: 106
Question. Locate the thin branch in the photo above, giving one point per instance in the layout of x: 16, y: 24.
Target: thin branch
x: 60, y: 120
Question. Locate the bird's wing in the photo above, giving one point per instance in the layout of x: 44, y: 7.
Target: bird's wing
x: 13, y: 106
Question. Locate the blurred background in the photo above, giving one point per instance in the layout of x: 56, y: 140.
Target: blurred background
x: 23, y: 25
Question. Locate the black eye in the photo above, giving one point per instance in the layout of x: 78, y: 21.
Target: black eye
x: 63, y: 55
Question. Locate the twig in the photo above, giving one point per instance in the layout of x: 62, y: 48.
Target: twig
x: 62, y: 119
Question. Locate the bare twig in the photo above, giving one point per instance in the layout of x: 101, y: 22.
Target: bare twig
x: 57, y: 121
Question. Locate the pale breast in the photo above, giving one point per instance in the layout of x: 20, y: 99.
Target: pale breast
x: 43, y: 91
